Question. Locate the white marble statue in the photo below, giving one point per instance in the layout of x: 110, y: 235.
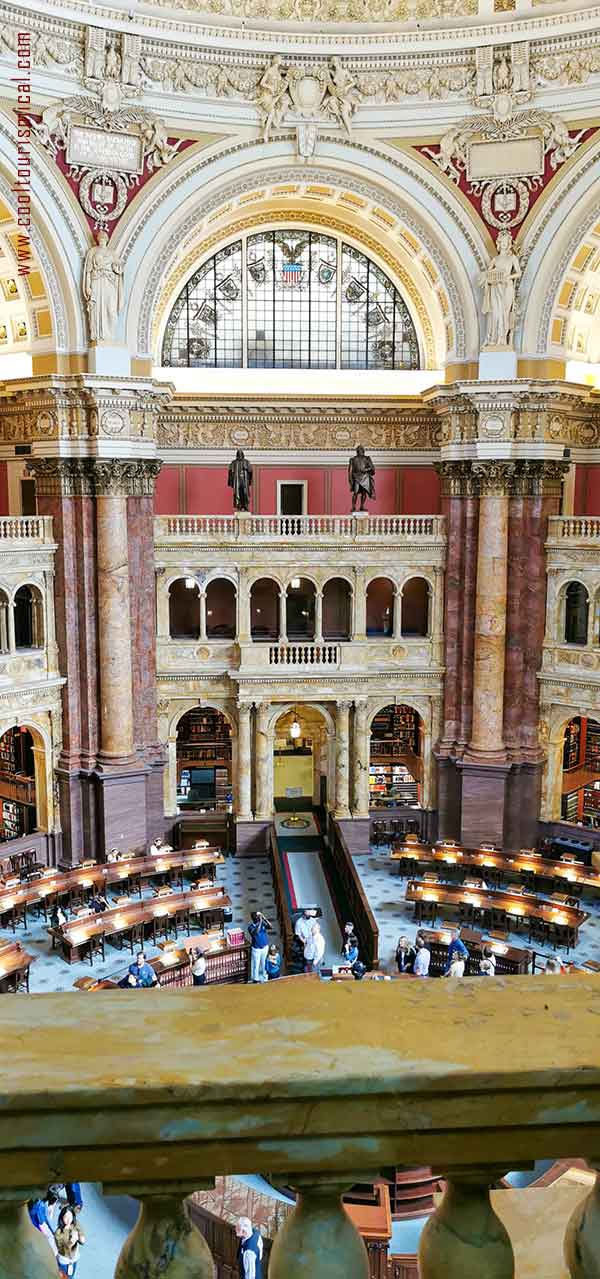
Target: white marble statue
x: 343, y: 95
x: 272, y: 96
x: 102, y: 289
x: 499, y: 292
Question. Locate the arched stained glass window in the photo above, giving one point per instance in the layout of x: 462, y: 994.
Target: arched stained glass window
x: 290, y: 300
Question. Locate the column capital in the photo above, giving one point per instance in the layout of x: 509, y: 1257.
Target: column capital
x: 88, y: 477
x: 493, y: 478
x: 456, y: 479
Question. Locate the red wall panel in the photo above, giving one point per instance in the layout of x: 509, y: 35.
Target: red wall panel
x: 4, y: 488
x: 166, y: 494
x: 420, y: 491
x: 587, y: 490
x: 579, y: 495
x: 206, y: 491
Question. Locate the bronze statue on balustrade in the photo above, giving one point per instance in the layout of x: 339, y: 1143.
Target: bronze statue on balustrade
x: 361, y: 478
x: 239, y: 478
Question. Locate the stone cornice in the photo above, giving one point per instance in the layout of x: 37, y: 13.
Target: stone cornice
x: 188, y: 29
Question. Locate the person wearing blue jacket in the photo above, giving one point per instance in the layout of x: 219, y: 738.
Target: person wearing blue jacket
x: 273, y: 963
x: 456, y: 951
x: 258, y: 930
x: 250, y: 1250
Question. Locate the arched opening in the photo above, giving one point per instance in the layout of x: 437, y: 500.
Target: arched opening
x: 577, y: 607
x: 203, y: 754
x: 415, y: 607
x: 380, y: 607
x: 18, y: 813
x: 337, y: 609
x: 29, y: 618
x: 4, y: 607
x: 264, y: 609
x: 184, y: 609
x: 300, y: 759
x: 300, y: 609
x: 396, y: 758
x: 581, y: 772
x: 220, y: 609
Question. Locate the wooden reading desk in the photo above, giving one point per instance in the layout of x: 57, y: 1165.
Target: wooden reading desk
x: 517, y: 906
x: 224, y: 963
x: 54, y: 885
x: 527, y: 864
x: 149, y: 914
x: 14, y: 967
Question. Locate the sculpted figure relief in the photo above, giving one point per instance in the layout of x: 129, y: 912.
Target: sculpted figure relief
x: 343, y: 95
x: 272, y: 96
x: 102, y: 289
x: 361, y: 478
x: 239, y: 478
x: 499, y: 292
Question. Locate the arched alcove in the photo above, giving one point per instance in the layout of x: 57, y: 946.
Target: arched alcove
x: 204, y: 760
x: 221, y: 602
x: 337, y: 609
x: 184, y: 609
x: 415, y: 607
x: 396, y: 757
x: 380, y: 607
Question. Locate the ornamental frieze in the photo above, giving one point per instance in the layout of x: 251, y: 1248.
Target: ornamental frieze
x: 204, y: 430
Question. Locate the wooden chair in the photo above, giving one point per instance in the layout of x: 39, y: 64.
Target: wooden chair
x: 466, y: 913
x: 77, y: 898
x: 17, y: 915
x: 18, y: 983
x: 538, y: 930
x: 498, y: 920
x: 95, y: 946
x: 133, y: 937
x: 181, y: 921
x: 427, y: 912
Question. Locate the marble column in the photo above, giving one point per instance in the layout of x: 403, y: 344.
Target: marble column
x: 263, y: 805
x: 485, y: 765
x: 11, y: 627
x: 359, y: 612
x: 397, y: 619
x: 487, y: 742
x: 283, y: 617
x: 342, y: 760
x: 318, y: 617
x: 114, y: 629
x: 360, y: 760
x: 318, y: 1240
x: 49, y: 622
x: 244, y: 765
x: 162, y: 605
x: 243, y: 610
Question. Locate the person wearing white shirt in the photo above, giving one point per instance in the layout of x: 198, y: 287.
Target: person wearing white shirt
x: 156, y: 847
x: 199, y: 969
x: 422, y: 959
x: 314, y: 949
x: 250, y: 1250
x: 303, y: 926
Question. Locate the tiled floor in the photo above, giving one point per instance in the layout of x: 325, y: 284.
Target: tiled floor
x: 247, y: 882
x: 385, y: 891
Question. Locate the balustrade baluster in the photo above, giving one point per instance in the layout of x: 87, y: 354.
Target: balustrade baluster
x: 318, y: 1240
x: 465, y: 1239
x: 582, y: 1236
x: 24, y: 1252
x: 164, y: 1241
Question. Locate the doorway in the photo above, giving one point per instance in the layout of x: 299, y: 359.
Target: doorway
x: 291, y: 497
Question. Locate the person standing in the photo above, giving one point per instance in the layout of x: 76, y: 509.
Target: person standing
x: 273, y: 963
x: 250, y: 1250
x: 68, y: 1240
x: 259, y: 946
x: 303, y: 926
x: 457, y: 952
x: 314, y: 949
x: 405, y: 955
x: 198, y: 968
x: 143, y: 974
x: 44, y: 1214
x: 422, y: 959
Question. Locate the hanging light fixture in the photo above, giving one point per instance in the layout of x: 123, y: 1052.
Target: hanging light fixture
x: 190, y: 583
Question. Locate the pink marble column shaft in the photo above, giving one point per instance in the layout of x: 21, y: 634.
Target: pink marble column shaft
x: 487, y: 741
x: 114, y: 629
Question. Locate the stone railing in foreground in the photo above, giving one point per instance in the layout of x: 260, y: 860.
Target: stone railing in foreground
x: 154, y: 1093
x: 573, y: 529
x: 25, y: 530
x: 365, y: 529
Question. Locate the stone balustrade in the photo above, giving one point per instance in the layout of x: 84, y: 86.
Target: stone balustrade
x: 32, y: 529
x: 364, y: 529
x: 304, y: 655
x: 333, y: 1084
x: 573, y: 528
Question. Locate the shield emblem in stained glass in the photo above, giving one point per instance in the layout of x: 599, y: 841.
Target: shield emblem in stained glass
x: 199, y: 349
x: 355, y: 291
x: 229, y: 288
x: 326, y: 272
x: 376, y: 315
x: 206, y: 313
x: 385, y: 351
x: 291, y: 274
x: 257, y: 269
